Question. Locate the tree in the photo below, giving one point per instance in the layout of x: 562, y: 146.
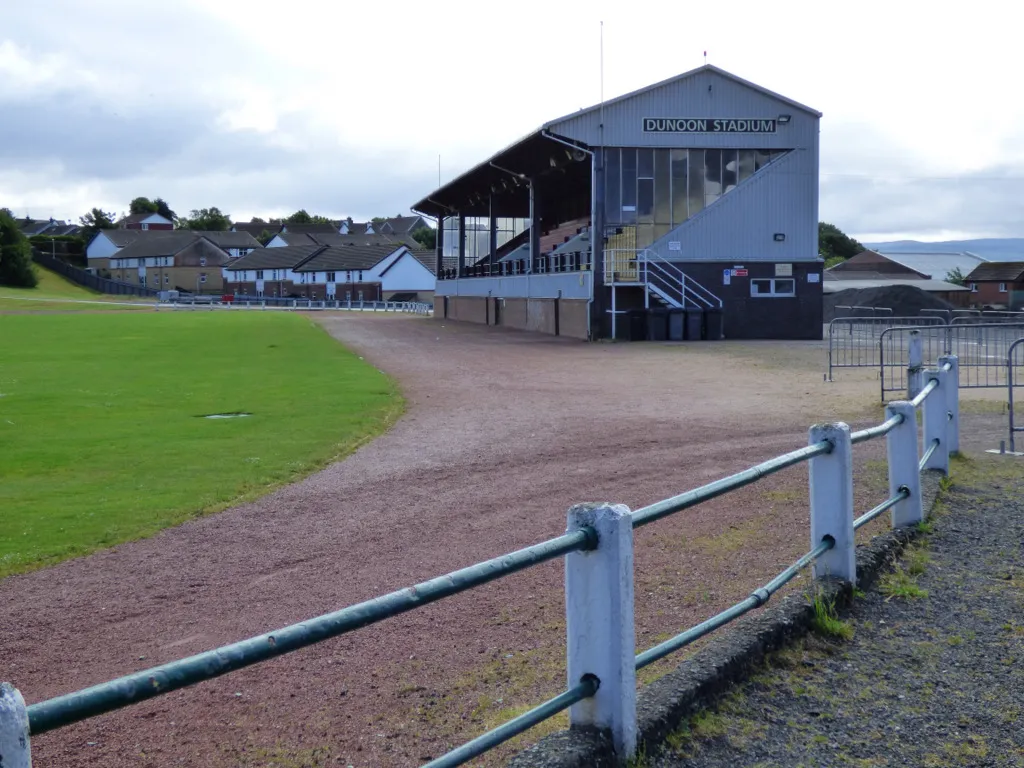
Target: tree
x: 164, y: 209
x: 834, y: 243
x: 302, y: 217
x: 956, y: 277
x: 427, y: 237
x: 265, y: 236
x: 256, y: 220
x: 15, y: 255
x: 94, y: 221
x: 207, y: 219
x: 142, y: 205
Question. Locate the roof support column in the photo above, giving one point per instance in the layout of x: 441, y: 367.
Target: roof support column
x: 462, y: 244
x: 598, y: 306
x: 492, y: 243
x: 535, y: 216
x: 439, y: 247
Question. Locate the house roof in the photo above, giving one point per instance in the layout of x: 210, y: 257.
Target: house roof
x: 275, y: 258
x: 935, y: 265
x: 295, y: 238
x: 334, y: 238
x: 309, y: 229
x: 402, y: 224
x: 1001, y: 271
x: 256, y: 229
x: 226, y: 239
x: 30, y: 226
x: 356, y: 227
x: 122, y: 237
x: 138, y: 218
x: 429, y: 260
x: 168, y: 245
x: 347, y: 257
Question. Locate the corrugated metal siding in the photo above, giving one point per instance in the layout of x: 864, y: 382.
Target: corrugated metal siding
x: 740, y: 225
x: 727, y: 98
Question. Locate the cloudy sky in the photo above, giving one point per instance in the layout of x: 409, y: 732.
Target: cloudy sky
x: 343, y: 108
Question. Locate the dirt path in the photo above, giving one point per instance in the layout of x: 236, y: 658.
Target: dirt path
x: 504, y: 431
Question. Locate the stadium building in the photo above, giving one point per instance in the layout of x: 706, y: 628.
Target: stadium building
x: 704, y: 189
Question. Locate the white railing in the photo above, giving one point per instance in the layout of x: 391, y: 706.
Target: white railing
x: 660, y: 276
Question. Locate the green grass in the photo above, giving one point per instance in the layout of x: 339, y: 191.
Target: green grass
x: 826, y: 622
x: 64, y: 295
x: 900, y: 583
x: 99, y: 435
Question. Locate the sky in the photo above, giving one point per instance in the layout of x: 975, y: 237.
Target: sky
x: 261, y: 108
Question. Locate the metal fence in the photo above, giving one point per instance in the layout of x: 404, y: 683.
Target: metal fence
x: 853, y: 341
x: 96, y: 283
x: 1014, y: 378
x: 241, y: 302
x: 598, y: 551
x: 981, y: 349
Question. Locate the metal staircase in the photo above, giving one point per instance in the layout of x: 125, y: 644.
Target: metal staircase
x: 660, y: 278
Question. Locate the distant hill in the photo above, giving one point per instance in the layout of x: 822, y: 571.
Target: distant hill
x: 992, y: 248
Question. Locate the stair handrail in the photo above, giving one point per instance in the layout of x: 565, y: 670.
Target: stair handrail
x: 691, y: 289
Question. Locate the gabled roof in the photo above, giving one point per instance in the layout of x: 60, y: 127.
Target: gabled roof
x: 275, y: 258
x: 420, y: 256
x: 935, y: 265
x: 256, y: 229
x: 334, y: 238
x: 294, y: 238
x: 170, y: 244
x: 998, y: 271
x: 138, y: 218
x: 226, y: 239
x: 36, y: 226
x: 678, y: 78
x: 348, y: 257
x: 122, y: 237
x: 401, y: 225
x: 309, y: 229
x: 356, y: 227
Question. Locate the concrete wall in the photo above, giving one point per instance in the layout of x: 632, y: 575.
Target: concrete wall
x: 566, y: 316
x: 568, y: 285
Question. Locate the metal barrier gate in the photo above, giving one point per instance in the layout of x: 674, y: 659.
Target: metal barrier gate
x: 981, y: 348
x: 1014, y: 377
x: 853, y: 341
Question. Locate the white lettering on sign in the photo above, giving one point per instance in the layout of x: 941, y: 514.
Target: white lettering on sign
x: 708, y: 125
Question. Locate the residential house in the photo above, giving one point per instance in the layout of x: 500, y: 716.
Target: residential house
x: 342, y: 272
x: 323, y: 228
x: 108, y: 242
x: 924, y: 270
x: 282, y: 239
x: 268, y: 271
x: 46, y: 227
x: 348, y: 227
x: 401, y: 225
x: 998, y: 284
x: 146, y: 221
x: 181, y: 260
x: 256, y: 229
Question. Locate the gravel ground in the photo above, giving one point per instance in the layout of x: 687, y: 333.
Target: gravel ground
x: 504, y: 431
x: 931, y: 680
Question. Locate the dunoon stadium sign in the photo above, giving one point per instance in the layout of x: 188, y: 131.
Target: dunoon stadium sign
x: 707, y: 125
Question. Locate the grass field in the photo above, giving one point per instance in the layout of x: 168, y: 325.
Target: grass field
x: 55, y: 294
x: 99, y: 435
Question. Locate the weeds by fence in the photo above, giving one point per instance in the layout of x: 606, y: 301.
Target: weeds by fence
x: 598, y: 552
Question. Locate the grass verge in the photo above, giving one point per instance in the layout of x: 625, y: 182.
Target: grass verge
x: 101, y: 431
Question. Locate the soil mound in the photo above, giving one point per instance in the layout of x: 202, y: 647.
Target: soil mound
x: 903, y: 300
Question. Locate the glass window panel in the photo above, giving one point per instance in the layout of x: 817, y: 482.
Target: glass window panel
x: 695, y: 182
x: 746, y: 164
x: 628, y: 179
x: 679, y: 214
x: 660, y: 230
x: 730, y: 169
x: 644, y: 235
x: 612, y: 186
x: 712, y: 175
x: 645, y: 201
x: 662, y: 187
x: 760, y: 287
x: 785, y: 287
x: 645, y: 163
x: 761, y: 158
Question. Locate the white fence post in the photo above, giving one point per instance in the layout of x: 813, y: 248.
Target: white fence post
x: 600, y: 636
x: 915, y: 368
x: 952, y: 401
x: 903, y: 455
x: 831, y: 483
x: 15, y: 750
x: 936, y: 422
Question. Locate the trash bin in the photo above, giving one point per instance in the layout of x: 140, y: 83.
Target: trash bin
x: 694, y: 324
x: 713, y: 325
x: 657, y: 324
x: 637, y: 321
x: 676, y: 325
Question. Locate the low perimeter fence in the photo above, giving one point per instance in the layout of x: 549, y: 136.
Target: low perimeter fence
x: 597, y: 547
x: 242, y: 302
x: 1014, y: 378
x: 95, y: 282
